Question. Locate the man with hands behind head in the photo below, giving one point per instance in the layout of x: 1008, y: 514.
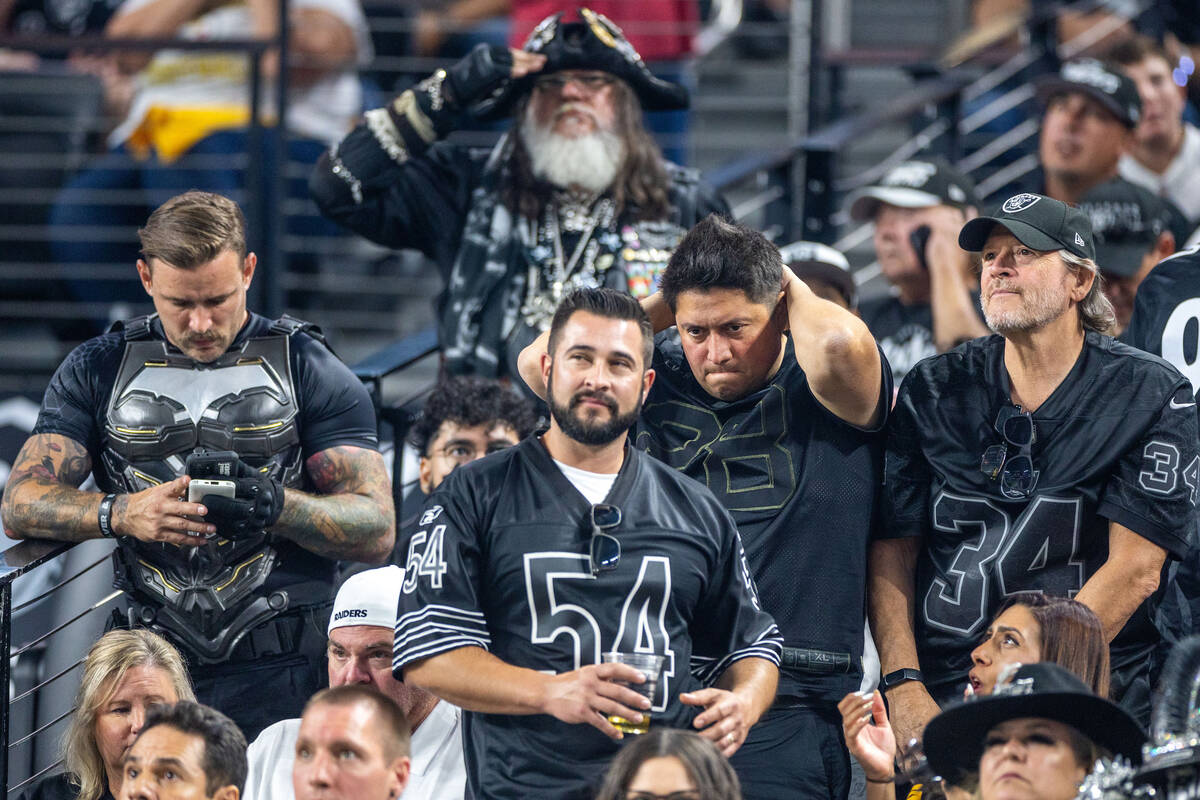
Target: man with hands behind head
x: 238, y: 583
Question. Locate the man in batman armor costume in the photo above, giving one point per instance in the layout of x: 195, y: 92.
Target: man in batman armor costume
x: 240, y: 583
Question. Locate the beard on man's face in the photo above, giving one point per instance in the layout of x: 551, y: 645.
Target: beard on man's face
x: 590, y: 161
x: 590, y: 430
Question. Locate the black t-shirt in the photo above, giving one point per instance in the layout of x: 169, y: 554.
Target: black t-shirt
x: 499, y: 560
x: 802, y: 486
x: 1115, y: 441
x: 334, y: 409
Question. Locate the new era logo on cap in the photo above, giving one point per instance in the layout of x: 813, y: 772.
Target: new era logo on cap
x: 1079, y: 240
x: 1019, y: 202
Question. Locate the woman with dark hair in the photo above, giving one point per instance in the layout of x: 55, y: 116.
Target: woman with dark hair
x: 1059, y: 630
x: 670, y: 764
x: 1029, y: 627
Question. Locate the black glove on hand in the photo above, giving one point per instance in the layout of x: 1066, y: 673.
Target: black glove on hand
x: 478, y: 74
x: 255, y: 507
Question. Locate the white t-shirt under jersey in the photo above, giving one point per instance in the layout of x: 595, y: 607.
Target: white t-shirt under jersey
x: 438, y: 772
x: 592, y: 485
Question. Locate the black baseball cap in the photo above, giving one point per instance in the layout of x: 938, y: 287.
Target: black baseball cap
x: 919, y: 183
x: 594, y: 42
x: 1126, y: 222
x: 954, y: 740
x: 1108, y: 85
x: 1037, y: 221
x: 816, y: 260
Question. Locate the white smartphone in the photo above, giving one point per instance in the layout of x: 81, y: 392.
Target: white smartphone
x: 199, y: 487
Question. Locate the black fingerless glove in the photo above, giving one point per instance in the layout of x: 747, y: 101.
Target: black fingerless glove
x: 477, y: 75
x: 256, y: 506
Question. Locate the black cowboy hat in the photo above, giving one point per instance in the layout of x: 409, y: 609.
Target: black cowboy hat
x: 954, y: 740
x: 594, y: 43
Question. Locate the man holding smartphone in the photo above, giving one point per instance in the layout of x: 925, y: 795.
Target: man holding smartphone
x: 241, y: 584
x: 918, y: 208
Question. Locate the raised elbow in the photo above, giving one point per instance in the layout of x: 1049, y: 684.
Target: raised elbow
x: 1145, y: 580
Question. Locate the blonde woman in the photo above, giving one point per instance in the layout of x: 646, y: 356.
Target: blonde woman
x: 124, y: 675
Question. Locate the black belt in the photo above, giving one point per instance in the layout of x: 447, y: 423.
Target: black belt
x: 819, y: 662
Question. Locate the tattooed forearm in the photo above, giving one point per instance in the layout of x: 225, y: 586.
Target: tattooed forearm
x: 40, y: 499
x: 352, y: 517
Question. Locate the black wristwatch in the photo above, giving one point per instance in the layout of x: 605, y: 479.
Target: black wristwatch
x: 105, y: 516
x: 894, y: 679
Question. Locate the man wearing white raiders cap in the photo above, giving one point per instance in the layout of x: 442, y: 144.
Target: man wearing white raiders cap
x: 360, y: 651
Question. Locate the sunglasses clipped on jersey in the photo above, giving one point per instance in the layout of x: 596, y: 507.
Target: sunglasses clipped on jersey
x: 1012, y: 462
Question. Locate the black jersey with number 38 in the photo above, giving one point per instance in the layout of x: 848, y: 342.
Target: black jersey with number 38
x: 1116, y: 441
x: 802, y: 486
x: 499, y: 560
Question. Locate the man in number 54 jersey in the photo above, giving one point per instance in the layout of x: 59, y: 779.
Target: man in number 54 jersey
x: 1046, y: 457
x: 531, y: 563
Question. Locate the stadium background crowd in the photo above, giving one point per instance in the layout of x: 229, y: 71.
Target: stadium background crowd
x: 1084, y: 122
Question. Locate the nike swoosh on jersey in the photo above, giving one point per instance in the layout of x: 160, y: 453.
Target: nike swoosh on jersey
x: 1181, y: 405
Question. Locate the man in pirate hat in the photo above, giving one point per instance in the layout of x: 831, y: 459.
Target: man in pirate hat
x: 577, y: 194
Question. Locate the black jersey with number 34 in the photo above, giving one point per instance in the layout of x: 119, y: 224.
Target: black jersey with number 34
x: 499, y: 560
x: 1116, y: 441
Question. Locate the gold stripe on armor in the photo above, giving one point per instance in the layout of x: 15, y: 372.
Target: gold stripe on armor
x: 238, y: 569
x: 270, y: 426
x: 244, y: 361
x: 161, y: 577
x: 137, y: 431
x: 147, y: 478
x: 155, y: 363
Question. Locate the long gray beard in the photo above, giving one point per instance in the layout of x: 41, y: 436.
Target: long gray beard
x: 589, y: 162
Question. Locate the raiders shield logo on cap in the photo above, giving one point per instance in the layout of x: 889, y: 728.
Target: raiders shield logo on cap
x: 1019, y: 202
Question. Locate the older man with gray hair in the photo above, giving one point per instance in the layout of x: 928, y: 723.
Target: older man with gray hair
x: 1047, y: 456
x: 360, y: 652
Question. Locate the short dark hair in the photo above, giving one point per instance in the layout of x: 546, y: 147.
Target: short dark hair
x: 394, y: 725
x: 224, y: 745
x: 192, y: 229
x: 719, y: 254
x: 709, y: 770
x: 471, y: 401
x: 607, y: 303
x: 1134, y: 50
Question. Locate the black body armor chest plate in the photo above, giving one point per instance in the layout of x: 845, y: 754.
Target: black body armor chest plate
x: 165, y: 406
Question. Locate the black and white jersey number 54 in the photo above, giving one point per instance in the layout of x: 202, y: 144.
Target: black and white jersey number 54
x: 642, y: 627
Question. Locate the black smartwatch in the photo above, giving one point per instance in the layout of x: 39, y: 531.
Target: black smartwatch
x: 894, y: 679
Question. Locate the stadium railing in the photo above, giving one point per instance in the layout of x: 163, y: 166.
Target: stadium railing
x: 791, y: 191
